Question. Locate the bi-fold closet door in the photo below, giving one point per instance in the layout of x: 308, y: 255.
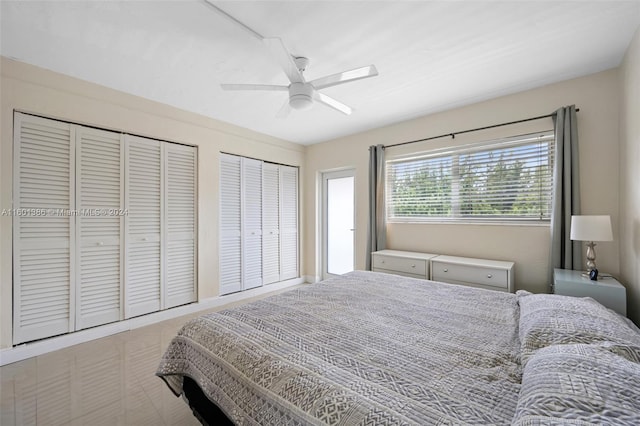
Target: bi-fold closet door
x: 44, y: 242
x: 289, y: 250
x: 99, y: 226
x: 160, y: 225
x: 258, y: 223
x: 144, y: 245
x: 104, y: 227
x: 271, y: 223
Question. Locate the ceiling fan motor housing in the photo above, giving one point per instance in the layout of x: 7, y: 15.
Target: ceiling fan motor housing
x: 301, y: 96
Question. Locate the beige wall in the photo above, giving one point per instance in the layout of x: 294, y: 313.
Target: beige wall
x: 35, y: 90
x: 630, y: 177
x: 527, y: 246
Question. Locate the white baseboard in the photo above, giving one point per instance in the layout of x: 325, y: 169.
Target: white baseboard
x: 28, y: 350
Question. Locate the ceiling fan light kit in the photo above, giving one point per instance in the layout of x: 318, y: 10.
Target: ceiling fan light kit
x: 300, y: 96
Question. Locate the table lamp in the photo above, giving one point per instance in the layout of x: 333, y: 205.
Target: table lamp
x: 591, y: 228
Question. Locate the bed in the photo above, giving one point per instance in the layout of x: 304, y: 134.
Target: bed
x: 369, y: 348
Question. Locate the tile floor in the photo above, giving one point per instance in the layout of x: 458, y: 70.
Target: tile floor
x: 109, y: 381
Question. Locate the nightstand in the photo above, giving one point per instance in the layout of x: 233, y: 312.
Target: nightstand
x: 608, y: 291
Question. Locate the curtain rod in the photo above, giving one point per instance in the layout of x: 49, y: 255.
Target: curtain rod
x: 453, y: 134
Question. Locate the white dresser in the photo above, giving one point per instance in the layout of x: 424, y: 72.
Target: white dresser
x: 482, y: 273
x: 405, y: 263
x: 489, y: 274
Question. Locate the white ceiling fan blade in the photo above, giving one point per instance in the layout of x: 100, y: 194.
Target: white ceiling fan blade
x: 284, y: 58
x: 330, y: 102
x: 253, y: 87
x: 345, y: 77
x: 285, y: 110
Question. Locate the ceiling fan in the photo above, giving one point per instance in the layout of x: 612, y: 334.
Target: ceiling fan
x: 302, y: 93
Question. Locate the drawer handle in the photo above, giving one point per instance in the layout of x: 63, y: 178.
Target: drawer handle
x: 413, y: 266
x: 446, y: 270
x: 100, y: 244
x: 489, y: 275
x: 382, y: 261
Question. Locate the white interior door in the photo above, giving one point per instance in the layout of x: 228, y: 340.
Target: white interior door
x: 251, y: 223
x: 43, y: 231
x: 180, y: 213
x: 289, y: 251
x: 230, y: 224
x: 338, y: 214
x: 100, y: 201
x: 270, y: 223
x: 144, y: 190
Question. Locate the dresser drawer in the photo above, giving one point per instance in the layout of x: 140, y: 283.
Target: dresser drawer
x: 489, y: 274
x: 400, y: 264
x: 402, y: 274
x: 470, y: 274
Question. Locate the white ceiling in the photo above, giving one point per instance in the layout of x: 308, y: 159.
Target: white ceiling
x: 431, y: 55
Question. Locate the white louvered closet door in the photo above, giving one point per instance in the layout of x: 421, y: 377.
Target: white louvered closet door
x: 230, y: 224
x: 288, y: 222
x: 251, y: 223
x: 180, y: 283
x: 99, y: 227
x: 270, y: 223
x: 43, y: 234
x: 144, y: 189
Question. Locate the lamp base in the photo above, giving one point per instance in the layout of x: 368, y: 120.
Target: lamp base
x: 601, y: 277
x: 591, y: 256
x: 586, y: 275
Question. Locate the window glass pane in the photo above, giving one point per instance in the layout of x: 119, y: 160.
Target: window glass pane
x: 505, y: 180
x: 340, y: 225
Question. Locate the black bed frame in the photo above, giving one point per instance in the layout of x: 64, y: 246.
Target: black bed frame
x: 208, y: 413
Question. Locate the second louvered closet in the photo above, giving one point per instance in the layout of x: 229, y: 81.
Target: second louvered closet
x: 258, y: 223
x: 104, y: 227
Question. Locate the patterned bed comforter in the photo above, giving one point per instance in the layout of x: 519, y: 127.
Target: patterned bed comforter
x: 363, y: 348
x: 376, y: 349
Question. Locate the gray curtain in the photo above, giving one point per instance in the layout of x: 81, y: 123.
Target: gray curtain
x: 565, y: 253
x: 377, y: 226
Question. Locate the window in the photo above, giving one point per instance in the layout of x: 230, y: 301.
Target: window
x: 505, y: 180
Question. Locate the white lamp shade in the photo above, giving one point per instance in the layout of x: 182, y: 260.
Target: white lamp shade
x: 591, y: 228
